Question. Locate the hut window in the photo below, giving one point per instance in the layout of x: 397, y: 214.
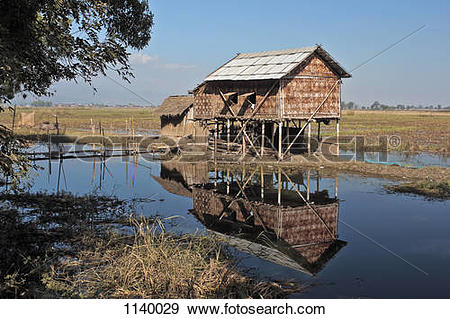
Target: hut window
x: 250, y: 98
x: 231, y: 97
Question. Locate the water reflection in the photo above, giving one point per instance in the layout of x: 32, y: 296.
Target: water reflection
x: 264, y: 211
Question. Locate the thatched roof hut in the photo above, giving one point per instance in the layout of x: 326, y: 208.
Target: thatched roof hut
x: 176, y: 114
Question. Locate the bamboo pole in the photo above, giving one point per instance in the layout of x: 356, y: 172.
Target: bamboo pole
x: 262, y: 183
x: 337, y: 137
x: 228, y: 181
x: 280, y: 140
x: 228, y: 135
x: 263, y: 130
x: 336, y: 187
x: 279, y: 186
x: 308, y: 190
x: 13, y: 119
x: 309, y: 138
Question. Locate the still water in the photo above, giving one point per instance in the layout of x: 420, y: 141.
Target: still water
x: 340, y: 236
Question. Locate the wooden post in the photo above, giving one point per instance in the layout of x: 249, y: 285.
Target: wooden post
x: 279, y: 186
x: 287, y: 130
x: 280, y: 140
x: 13, y: 119
x: 273, y: 135
x: 309, y: 138
x: 337, y: 137
x: 228, y: 135
x: 263, y: 129
x: 244, y: 144
x: 228, y: 181
x: 215, y: 175
x: 92, y: 127
x: 336, y: 187
x: 317, y: 181
x: 57, y: 124
x: 318, y: 131
x: 308, y: 184
x: 262, y: 183
x: 215, y: 143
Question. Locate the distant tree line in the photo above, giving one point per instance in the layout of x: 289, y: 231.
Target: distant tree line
x: 41, y: 103
x: 380, y: 106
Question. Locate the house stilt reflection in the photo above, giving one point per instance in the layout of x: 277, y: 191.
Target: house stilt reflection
x: 263, y: 211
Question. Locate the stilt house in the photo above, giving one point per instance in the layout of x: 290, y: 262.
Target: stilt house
x: 276, y: 93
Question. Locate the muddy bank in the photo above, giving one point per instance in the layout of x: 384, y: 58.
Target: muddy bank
x: 438, y: 190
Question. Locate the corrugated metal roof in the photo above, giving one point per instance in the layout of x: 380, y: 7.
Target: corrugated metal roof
x: 269, y: 64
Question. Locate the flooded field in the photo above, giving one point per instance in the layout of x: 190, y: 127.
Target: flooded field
x: 336, y: 235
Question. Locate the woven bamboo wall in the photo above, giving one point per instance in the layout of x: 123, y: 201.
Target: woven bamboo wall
x: 306, y: 87
x: 208, y: 103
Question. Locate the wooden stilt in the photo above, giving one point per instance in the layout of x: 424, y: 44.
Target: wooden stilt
x: 262, y: 183
x: 273, y: 135
x: 215, y: 175
x: 308, y: 185
x: 279, y: 186
x: 280, y: 140
x: 215, y: 142
x: 309, y: 138
x: 228, y: 135
x: 263, y: 129
x: 287, y: 130
x: 318, y: 131
x: 337, y: 137
x: 228, y: 181
x: 317, y: 181
x: 336, y: 187
x: 244, y: 144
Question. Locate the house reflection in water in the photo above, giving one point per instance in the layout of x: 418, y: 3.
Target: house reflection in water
x: 266, y: 212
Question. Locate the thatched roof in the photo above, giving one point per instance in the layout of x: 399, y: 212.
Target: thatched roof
x: 175, y: 105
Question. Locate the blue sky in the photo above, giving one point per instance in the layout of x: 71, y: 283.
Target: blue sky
x: 191, y: 38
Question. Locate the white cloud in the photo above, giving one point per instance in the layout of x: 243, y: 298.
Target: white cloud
x: 142, y: 58
x: 156, y: 62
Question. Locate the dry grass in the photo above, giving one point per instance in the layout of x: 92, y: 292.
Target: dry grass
x: 420, y: 131
x: 430, y: 189
x: 155, y: 264
x: 67, y: 246
x: 77, y: 120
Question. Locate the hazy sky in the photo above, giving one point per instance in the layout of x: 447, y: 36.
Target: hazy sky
x: 192, y: 38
